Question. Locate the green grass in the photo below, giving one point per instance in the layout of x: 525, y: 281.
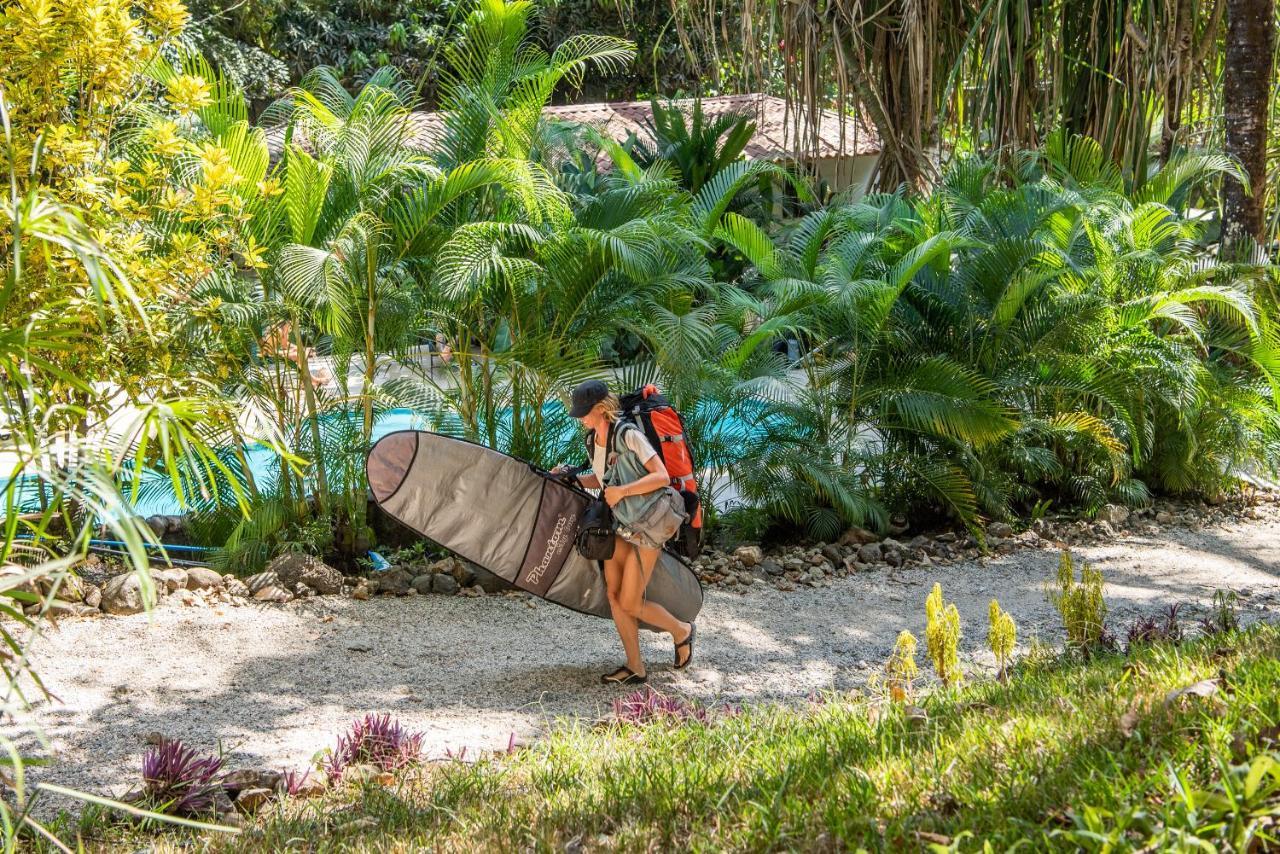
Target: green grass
x: 1064, y: 754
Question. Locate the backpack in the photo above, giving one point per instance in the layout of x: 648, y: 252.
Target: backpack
x: 662, y: 425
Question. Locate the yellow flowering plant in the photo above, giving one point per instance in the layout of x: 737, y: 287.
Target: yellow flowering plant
x: 942, y: 636
x: 1002, y: 636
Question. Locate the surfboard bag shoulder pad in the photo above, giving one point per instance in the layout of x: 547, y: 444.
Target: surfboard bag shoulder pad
x: 596, y: 539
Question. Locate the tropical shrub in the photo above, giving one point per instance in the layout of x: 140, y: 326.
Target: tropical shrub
x: 1022, y: 334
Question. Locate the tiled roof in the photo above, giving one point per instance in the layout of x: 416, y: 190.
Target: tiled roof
x: 780, y: 130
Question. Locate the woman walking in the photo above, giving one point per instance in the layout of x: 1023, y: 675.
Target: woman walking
x: 648, y: 511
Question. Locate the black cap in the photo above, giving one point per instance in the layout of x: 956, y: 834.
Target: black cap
x: 586, y: 395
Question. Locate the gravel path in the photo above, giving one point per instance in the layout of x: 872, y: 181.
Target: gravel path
x: 272, y: 684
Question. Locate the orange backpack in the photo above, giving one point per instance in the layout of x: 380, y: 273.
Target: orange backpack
x: 664, y: 428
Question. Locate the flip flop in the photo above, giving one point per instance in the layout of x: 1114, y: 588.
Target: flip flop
x: 693, y: 631
x: 624, y: 676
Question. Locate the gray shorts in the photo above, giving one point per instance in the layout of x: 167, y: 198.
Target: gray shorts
x: 658, y: 524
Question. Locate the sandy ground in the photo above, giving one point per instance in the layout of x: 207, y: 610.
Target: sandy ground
x: 271, y: 685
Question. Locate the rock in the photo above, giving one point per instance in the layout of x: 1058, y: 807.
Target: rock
x: 1114, y: 515
x: 893, y: 557
x: 123, y: 595
x: 250, y: 799
x: 70, y: 587
x: 13, y: 569
x: 915, y: 716
x: 262, y: 579
x: 203, y: 578
x: 771, y: 567
x: 302, y: 591
x: 749, y: 555
x: 236, y: 587
x: 1002, y: 530
x: 169, y: 579
x: 444, y: 584
x: 92, y: 595
x: 309, y: 786
x: 295, y: 569
x: 464, y: 573
x: 422, y: 583
x: 251, y: 778
x: 272, y: 593
x: 392, y: 582
x: 488, y: 582
x: 946, y: 537
x: 360, y: 591
x: 856, y: 536
x: 870, y: 553
x: 1164, y: 517
x: 159, y: 525
x: 816, y: 575
x: 175, y: 524
x: 59, y: 608
x: 1104, y: 530
x: 186, y: 597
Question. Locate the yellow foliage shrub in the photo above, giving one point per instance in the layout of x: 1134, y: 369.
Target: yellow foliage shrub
x: 1080, y: 604
x: 1002, y: 635
x: 942, y: 636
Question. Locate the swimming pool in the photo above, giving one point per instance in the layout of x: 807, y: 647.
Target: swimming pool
x: 264, y: 464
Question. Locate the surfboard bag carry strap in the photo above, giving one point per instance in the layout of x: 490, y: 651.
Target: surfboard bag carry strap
x: 662, y: 425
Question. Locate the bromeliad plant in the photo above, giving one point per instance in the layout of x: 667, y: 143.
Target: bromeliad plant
x: 376, y: 740
x: 177, y: 779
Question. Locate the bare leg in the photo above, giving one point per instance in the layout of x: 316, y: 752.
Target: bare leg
x: 628, y: 628
x: 635, y: 579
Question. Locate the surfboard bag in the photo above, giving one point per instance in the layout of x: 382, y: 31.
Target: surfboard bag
x: 509, y: 517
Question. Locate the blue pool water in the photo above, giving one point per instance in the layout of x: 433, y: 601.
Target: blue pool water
x: 264, y: 463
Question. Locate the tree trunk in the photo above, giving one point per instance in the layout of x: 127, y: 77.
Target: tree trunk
x: 1246, y: 92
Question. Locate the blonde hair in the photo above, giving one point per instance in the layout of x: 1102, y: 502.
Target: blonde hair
x: 612, y: 408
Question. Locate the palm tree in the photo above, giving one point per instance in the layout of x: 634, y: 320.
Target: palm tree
x: 1246, y: 98
x: 1020, y: 335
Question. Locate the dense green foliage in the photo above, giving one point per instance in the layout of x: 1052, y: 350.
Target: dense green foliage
x: 1064, y: 756
x: 267, y: 44
x: 1037, y: 332
x: 1039, y: 329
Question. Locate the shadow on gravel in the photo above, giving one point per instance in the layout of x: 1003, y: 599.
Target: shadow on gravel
x: 271, y: 686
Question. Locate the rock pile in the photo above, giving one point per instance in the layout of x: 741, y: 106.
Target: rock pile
x: 860, y: 550
x: 93, y: 589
